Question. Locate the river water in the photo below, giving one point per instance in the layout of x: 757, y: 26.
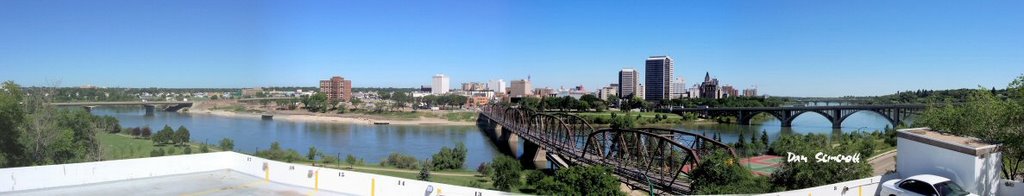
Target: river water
x: 374, y: 142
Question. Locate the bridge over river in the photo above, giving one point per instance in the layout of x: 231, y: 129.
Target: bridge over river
x: 170, y: 106
x: 895, y: 114
x: 662, y: 159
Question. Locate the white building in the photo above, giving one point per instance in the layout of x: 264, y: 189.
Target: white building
x: 497, y: 86
x: 441, y: 84
x: 608, y: 91
x: 678, y: 88
x: 640, y: 91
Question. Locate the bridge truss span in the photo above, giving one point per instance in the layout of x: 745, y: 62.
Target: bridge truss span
x: 642, y: 157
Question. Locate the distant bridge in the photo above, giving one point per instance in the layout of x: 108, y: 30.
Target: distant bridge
x: 150, y: 106
x: 642, y: 157
x: 267, y: 98
x: 895, y: 114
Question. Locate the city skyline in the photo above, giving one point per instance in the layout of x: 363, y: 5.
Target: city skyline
x: 784, y: 48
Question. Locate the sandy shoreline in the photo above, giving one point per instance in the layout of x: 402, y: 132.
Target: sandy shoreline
x: 332, y: 119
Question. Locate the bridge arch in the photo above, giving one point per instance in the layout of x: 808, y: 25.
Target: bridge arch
x: 847, y: 113
x: 747, y: 117
x: 789, y: 122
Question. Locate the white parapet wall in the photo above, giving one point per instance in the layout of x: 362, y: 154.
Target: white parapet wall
x: 341, y: 181
x: 859, y: 187
x: 49, y: 176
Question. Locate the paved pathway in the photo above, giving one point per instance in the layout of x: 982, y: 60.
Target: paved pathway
x: 884, y: 162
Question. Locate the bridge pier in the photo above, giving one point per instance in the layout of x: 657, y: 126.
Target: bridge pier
x: 509, y: 140
x: 535, y: 155
x: 150, y: 109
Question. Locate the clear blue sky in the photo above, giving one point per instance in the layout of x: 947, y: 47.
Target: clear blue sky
x: 792, y: 48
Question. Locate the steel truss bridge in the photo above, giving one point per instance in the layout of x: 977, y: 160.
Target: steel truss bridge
x: 641, y: 158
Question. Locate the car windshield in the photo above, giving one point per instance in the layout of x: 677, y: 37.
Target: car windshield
x: 949, y: 188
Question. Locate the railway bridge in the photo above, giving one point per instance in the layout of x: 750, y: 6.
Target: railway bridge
x: 655, y: 158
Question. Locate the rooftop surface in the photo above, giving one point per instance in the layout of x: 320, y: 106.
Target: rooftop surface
x: 223, y: 182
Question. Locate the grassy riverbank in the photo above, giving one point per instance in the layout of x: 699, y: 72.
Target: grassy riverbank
x: 120, y: 146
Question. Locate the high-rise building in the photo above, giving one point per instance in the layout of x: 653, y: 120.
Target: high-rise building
x: 608, y: 91
x: 337, y: 89
x: 729, y: 91
x: 521, y: 88
x: 641, y: 92
x: 440, y: 85
x: 473, y: 86
x: 497, y: 86
x: 628, y: 82
x: 657, y: 77
x: 750, y: 92
x: 709, y: 88
x: 678, y: 88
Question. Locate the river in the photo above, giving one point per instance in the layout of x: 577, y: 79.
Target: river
x: 374, y: 142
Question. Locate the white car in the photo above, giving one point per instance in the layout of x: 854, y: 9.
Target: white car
x: 925, y: 184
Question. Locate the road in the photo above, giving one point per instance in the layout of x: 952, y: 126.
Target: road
x: 884, y: 162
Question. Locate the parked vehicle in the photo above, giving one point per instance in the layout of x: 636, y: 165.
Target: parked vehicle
x: 925, y: 185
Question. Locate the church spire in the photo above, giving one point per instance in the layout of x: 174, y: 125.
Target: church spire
x: 707, y: 76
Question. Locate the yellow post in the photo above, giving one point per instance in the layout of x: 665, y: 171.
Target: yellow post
x: 860, y: 191
x: 266, y: 174
x: 373, y: 183
x: 316, y: 181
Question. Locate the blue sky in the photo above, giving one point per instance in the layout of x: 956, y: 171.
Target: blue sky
x: 786, y: 48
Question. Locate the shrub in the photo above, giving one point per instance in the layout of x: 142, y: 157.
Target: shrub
x: 227, y: 144
x: 425, y: 171
x: 484, y: 169
x: 506, y: 173
x: 400, y: 161
x: 450, y: 158
x: 534, y: 175
x: 311, y: 155
x: 577, y: 180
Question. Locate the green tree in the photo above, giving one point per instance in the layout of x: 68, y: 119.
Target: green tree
x: 720, y: 173
x: 986, y: 117
x: 12, y: 116
x: 204, y: 149
x: 484, y: 169
x: 578, y: 180
x: 182, y: 136
x: 165, y: 135
x: 311, y: 155
x: 450, y: 158
x: 351, y: 160
x: 227, y: 144
x: 316, y: 103
x: 506, y: 173
x: 425, y: 171
x: 187, y: 150
x: 764, y: 138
